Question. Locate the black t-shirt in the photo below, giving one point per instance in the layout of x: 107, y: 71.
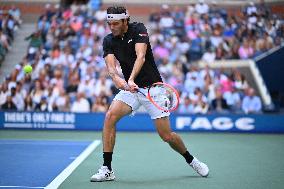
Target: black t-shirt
x: 124, y: 51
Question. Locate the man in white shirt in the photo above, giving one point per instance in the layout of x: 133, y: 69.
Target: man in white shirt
x: 81, y: 105
x: 251, y: 103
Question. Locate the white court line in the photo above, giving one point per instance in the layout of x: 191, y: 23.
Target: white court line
x: 21, y: 187
x: 68, y: 170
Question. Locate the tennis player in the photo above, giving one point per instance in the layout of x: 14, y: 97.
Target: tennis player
x: 129, y: 44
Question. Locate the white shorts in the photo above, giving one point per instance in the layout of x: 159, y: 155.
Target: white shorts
x: 135, y: 100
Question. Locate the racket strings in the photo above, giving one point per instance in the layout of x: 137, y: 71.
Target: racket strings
x: 164, y: 97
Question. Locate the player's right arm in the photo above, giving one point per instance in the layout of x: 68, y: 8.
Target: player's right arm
x: 111, y: 65
x: 112, y: 71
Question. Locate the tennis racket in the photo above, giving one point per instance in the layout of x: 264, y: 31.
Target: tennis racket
x: 163, y: 96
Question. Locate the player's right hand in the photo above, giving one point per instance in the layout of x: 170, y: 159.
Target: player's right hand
x: 121, y: 84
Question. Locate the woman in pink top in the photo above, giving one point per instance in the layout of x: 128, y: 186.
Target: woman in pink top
x: 245, y: 50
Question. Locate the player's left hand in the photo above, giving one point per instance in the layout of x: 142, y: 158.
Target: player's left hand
x: 133, y: 86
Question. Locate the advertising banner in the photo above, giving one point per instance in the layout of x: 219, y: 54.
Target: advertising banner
x: 260, y: 123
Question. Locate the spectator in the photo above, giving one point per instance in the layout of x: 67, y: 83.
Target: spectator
x: 61, y: 102
x: 245, y: 50
x: 72, y: 86
x: 18, y: 99
x: 233, y: 100
x: 201, y: 108
x: 103, y: 86
x: 4, y: 41
x: 87, y: 86
x: 186, y: 106
x: 16, y: 14
x: 263, y: 9
x: 201, y: 7
x: 101, y: 104
x: 3, y: 93
x: 29, y: 106
x: 9, y: 104
x: 209, y: 56
x: 37, y: 92
x: 42, y: 106
x: 35, y: 39
x: 81, y: 104
x: 251, y: 103
x: 199, y: 101
x: 219, y: 104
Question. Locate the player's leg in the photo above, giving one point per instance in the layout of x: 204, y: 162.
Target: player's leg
x: 176, y: 143
x: 124, y: 103
x: 117, y: 110
x: 165, y: 132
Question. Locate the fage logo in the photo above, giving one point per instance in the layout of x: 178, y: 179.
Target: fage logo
x: 218, y: 123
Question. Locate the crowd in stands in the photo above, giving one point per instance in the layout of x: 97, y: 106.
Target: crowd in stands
x: 205, y: 32
x: 69, y: 73
x: 10, y: 20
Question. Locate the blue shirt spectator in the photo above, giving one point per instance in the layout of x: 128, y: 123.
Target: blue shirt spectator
x: 251, y: 103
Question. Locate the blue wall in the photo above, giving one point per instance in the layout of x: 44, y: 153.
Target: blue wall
x: 272, y: 70
x: 265, y: 123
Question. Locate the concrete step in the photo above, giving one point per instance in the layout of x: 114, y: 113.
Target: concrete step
x: 18, y: 51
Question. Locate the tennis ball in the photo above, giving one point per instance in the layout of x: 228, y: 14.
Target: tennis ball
x: 28, y: 69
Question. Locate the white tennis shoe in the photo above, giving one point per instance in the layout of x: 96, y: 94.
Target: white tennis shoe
x: 200, y: 167
x: 103, y: 174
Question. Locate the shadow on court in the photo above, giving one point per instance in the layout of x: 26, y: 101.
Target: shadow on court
x: 160, y: 180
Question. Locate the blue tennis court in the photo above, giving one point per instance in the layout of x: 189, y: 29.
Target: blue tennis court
x: 37, y: 163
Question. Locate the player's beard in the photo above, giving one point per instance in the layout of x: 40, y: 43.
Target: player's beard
x: 118, y: 32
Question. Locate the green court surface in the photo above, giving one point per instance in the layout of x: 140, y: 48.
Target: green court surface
x: 142, y: 160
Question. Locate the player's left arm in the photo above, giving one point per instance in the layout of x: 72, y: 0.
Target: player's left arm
x: 140, y: 49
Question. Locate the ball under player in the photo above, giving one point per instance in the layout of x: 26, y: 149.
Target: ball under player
x: 129, y: 44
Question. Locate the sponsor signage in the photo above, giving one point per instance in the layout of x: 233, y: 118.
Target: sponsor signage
x: 142, y: 122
